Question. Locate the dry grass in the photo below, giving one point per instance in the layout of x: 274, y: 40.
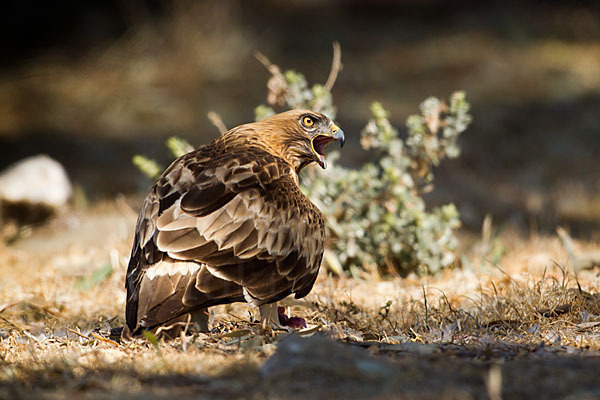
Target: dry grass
x: 56, y: 315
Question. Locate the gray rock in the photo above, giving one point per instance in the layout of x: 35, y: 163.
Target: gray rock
x: 337, y: 370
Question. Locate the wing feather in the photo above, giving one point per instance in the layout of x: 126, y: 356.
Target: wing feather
x: 240, y: 218
x: 179, y: 240
x: 198, y: 253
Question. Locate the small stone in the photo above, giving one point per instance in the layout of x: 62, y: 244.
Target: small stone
x: 33, y: 189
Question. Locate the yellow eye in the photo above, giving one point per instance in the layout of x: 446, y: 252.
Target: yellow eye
x: 308, y: 122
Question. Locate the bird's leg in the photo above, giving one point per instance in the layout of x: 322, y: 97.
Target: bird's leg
x: 201, y: 318
x: 269, y: 315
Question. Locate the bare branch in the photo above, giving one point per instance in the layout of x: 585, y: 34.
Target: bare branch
x: 265, y: 61
x: 272, y: 68
x: 277, y: 84
x: 217, y: 122
x: 336, y: 66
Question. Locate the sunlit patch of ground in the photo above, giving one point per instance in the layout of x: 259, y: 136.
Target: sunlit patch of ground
x: 515, y: 313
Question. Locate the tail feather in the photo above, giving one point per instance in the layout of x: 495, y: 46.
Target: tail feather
x: 169, y: 289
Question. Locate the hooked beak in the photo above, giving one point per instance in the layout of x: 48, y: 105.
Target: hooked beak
x: 320, y: 141
x: 338, y: 134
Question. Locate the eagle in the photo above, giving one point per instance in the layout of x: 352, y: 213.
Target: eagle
x: 228, y: 223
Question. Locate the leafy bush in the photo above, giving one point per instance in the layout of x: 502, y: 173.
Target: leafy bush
x: 376, y: 218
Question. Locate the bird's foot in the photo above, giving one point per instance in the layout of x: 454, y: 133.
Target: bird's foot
x: 275, y: 317
x: 269, y: 316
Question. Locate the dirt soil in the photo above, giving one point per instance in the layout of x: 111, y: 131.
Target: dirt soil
x: 511, y: 323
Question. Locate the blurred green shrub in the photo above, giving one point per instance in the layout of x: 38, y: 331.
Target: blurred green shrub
x: 376, y: 218
x: 151, y: 168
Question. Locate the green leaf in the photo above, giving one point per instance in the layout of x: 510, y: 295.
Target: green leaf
x: 179, y: 146
x: 149, y: 167
x: 98, y: 276
x: 152, y: 339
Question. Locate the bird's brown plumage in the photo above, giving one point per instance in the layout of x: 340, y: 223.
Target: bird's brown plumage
x: 228, y: 223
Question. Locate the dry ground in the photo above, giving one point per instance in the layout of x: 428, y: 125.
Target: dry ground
x: 524, y: 327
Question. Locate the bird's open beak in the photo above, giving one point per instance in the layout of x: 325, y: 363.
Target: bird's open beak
x: 320, y: 141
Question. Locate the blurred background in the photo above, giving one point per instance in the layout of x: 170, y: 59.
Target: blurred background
x: 93, y: 83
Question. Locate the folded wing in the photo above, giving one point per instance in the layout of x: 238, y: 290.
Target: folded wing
x: 219, y: 228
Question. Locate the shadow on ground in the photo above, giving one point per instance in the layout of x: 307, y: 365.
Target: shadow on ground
x: 317, y: 367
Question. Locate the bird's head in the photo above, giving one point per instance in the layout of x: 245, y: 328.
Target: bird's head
x: 301, y: 136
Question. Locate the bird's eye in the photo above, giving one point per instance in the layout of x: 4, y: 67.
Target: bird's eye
x: 308, y: 122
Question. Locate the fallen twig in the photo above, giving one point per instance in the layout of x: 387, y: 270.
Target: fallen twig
x: 103, y: 339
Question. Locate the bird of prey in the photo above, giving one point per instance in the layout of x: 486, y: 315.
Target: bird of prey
x: 228, y: 223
